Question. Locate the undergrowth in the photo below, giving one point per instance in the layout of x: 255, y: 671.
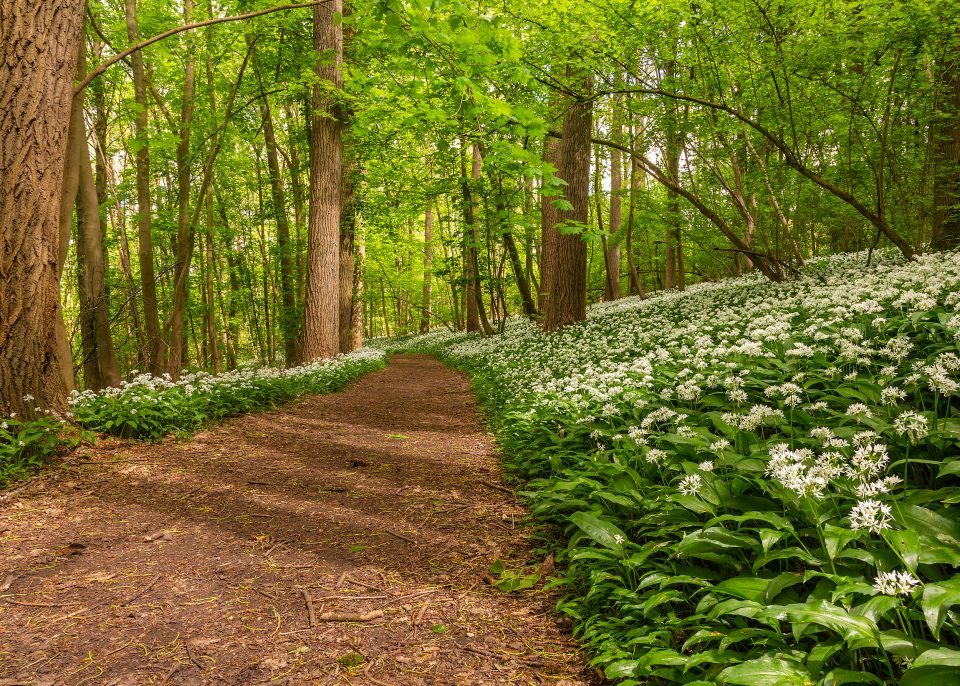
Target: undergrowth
x: 149, y: 407
x: 757, y: 481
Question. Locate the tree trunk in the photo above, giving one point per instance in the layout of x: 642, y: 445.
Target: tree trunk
x: 946, y: 185
x: 90, y: 251
x: 296, y: 186
x: 548, y: 220
x: 348, y: 229
x: 636, y: 285
x: 356, y: 316
x: 39, y: 46
x: 321, y: 322
x: 568, y: 298
x: 289, y: 317
x: 472, y: 237
x: 76, y: 146
x: 148, y: 279
x: 184, y: 251
x: 211, y: 308
x: 611, y: 254
x: 427, y: 267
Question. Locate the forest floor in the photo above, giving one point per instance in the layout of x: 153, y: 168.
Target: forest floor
x: 341, y: 539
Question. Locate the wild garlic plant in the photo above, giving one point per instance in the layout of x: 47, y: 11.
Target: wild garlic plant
x: 756, y: 482
x: 149, y: 406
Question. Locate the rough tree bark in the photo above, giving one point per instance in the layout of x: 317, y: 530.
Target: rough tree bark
x: 322, y: 307
x: 38, y: 55
x: 568, y: 298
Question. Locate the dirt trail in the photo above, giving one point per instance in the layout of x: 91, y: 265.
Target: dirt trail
x: 195, y: 562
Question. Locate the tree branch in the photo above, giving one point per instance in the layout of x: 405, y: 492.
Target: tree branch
x: 790, y: 157
x: 186, y: 27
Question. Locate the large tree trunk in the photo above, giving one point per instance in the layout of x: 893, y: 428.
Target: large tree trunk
x: 427, y: 267
x: 148, y: 280
x: 289, y: 317
x: 38, y: 55
x: 322, y: 316
x: 568, y: 298
x: 946, y: 143
x: 184, y: 252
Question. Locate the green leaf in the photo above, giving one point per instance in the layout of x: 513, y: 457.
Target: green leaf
x: 928, y: 522
x: 937, y: 599
x: 931, y: 675
x: 836, y: 538
x: 766, y: 671
x: 842, y: 677
x: 744, y: 587
x: 851, y: 627
x: 907, y: 543
x: 603, y: 532
x: 938, y: 656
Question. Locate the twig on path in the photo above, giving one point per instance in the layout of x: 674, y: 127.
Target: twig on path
x: 412, y: 595
x: 400, y: 536
x: 496, y: 487
x: 26, y: 604
x: 484, y: 652
x: 186, y: 644
x: 345, y: 577
x: 352, y: 597
x: 274, y: 547
x: 142, y: 592
x: 311, y: 615
x: 350, y: 616
x: 263, y: 593
x: 173, y: 670
x: 117, y: 650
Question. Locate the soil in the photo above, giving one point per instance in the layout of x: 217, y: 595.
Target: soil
x: 342, y: 539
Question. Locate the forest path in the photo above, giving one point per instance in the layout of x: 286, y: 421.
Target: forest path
x: 192, y: 562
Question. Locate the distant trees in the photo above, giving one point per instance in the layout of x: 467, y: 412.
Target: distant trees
x: 385, y: 168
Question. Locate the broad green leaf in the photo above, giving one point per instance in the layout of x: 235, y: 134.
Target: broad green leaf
x: 766, y: 671
x: 744, y: 587
x: 931, y: 675
x: 600, y: 531
x: 937, y: 600
x: 939, y: 656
